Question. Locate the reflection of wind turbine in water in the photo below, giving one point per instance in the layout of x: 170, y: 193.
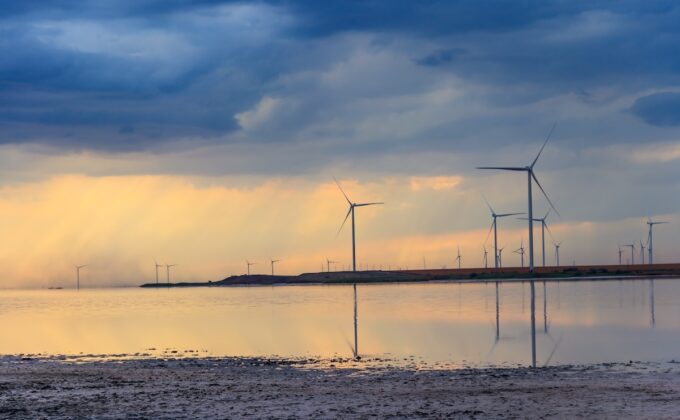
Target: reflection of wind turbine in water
x: 531, y: 177
x: 78, y: 267
x: 651, y: 302
x: 352, y: 207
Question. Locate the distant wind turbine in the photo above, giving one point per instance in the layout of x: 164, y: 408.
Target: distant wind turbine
x: 544, y: 226
x: 272, y: 263
x: 78, y: 267
x: 459, y: 258
x: 167, y: 272
x: 620, y: 253
x: 494, y: 228
x: 486, y: 259
x: 328, y: 264
x: 642, y: 252
x: 352, y: 206
x: 557, y: 252
x: 500, y: 257
x: 530, y: 176
x: 248, y: 264
x: 520, y: 251
x: 632, y: 253
x: 157, y: 265
x: 650, y: 247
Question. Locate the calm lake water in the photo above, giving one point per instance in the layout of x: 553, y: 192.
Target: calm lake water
x: 578, y: 322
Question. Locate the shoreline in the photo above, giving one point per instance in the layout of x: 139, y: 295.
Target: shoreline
x: 330, y: 388
x: 543, y: 274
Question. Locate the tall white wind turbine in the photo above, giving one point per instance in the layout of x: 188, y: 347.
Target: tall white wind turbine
x: 650, y: 247
x: 531, y: 177
x: 78, y: 267
x: 494, y: 228
x: 352, y: 206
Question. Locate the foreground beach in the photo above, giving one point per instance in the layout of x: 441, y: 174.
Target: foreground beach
x: 33, y: 387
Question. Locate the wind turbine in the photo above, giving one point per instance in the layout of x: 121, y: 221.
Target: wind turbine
x: 544, y: 226
x: 272, y: 263
x: 352, y: 206
x: 328, y: 264
x: 500, y: 257
x: 78, y: 267
x: 520, y: 251
x: 248, y: 264
x: 486, y: 259
x: 494, y: 226
x: 620, y: 252
x: 459, y: 258
x: 167, y: 272
x: 530, y: 175
x: 557, y: 251
x: 632, y: 253
x: 642, y: 252
x: 650, y: 247
x: 157, y: 265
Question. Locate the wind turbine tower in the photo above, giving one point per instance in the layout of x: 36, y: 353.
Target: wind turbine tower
x: 531, y: 177
x: 167, y: 272
x: 557, y: 252
x: 272, y: 263
x: 157, y: 265
x: 248, y: 264
x: 632, y: 253
x: 352, y: 207
x: 459, y: 258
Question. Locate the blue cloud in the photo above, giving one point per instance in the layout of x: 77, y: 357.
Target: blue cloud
x: 659, y: 109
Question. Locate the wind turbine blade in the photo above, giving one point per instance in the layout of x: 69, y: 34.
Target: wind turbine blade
x: 542, y: 147
x: 503, y: 168
x: 488, y: 234
x: 366, y: 204
x: 487, y: 204
x: 552, y: 238
x: 544, y: 193
x: 509, y: 214
x: 344, y: 221
x: 342, y: 191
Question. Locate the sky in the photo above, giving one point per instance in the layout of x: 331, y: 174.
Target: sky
x: 205, y: 133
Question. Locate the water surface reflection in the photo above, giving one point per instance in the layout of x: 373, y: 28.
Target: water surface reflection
x: 444, y: 322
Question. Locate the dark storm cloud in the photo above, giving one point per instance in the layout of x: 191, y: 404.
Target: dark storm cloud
x: 127, y: 75
x: 660, y: 109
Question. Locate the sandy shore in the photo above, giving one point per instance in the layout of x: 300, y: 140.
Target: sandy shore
x: 236, y: 387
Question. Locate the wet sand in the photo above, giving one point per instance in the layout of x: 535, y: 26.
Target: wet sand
x: 266, y: 388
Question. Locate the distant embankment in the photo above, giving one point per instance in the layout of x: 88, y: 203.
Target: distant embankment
x: 468, y: 274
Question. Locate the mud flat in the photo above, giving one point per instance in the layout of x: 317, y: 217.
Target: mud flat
x: 184, y: 387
